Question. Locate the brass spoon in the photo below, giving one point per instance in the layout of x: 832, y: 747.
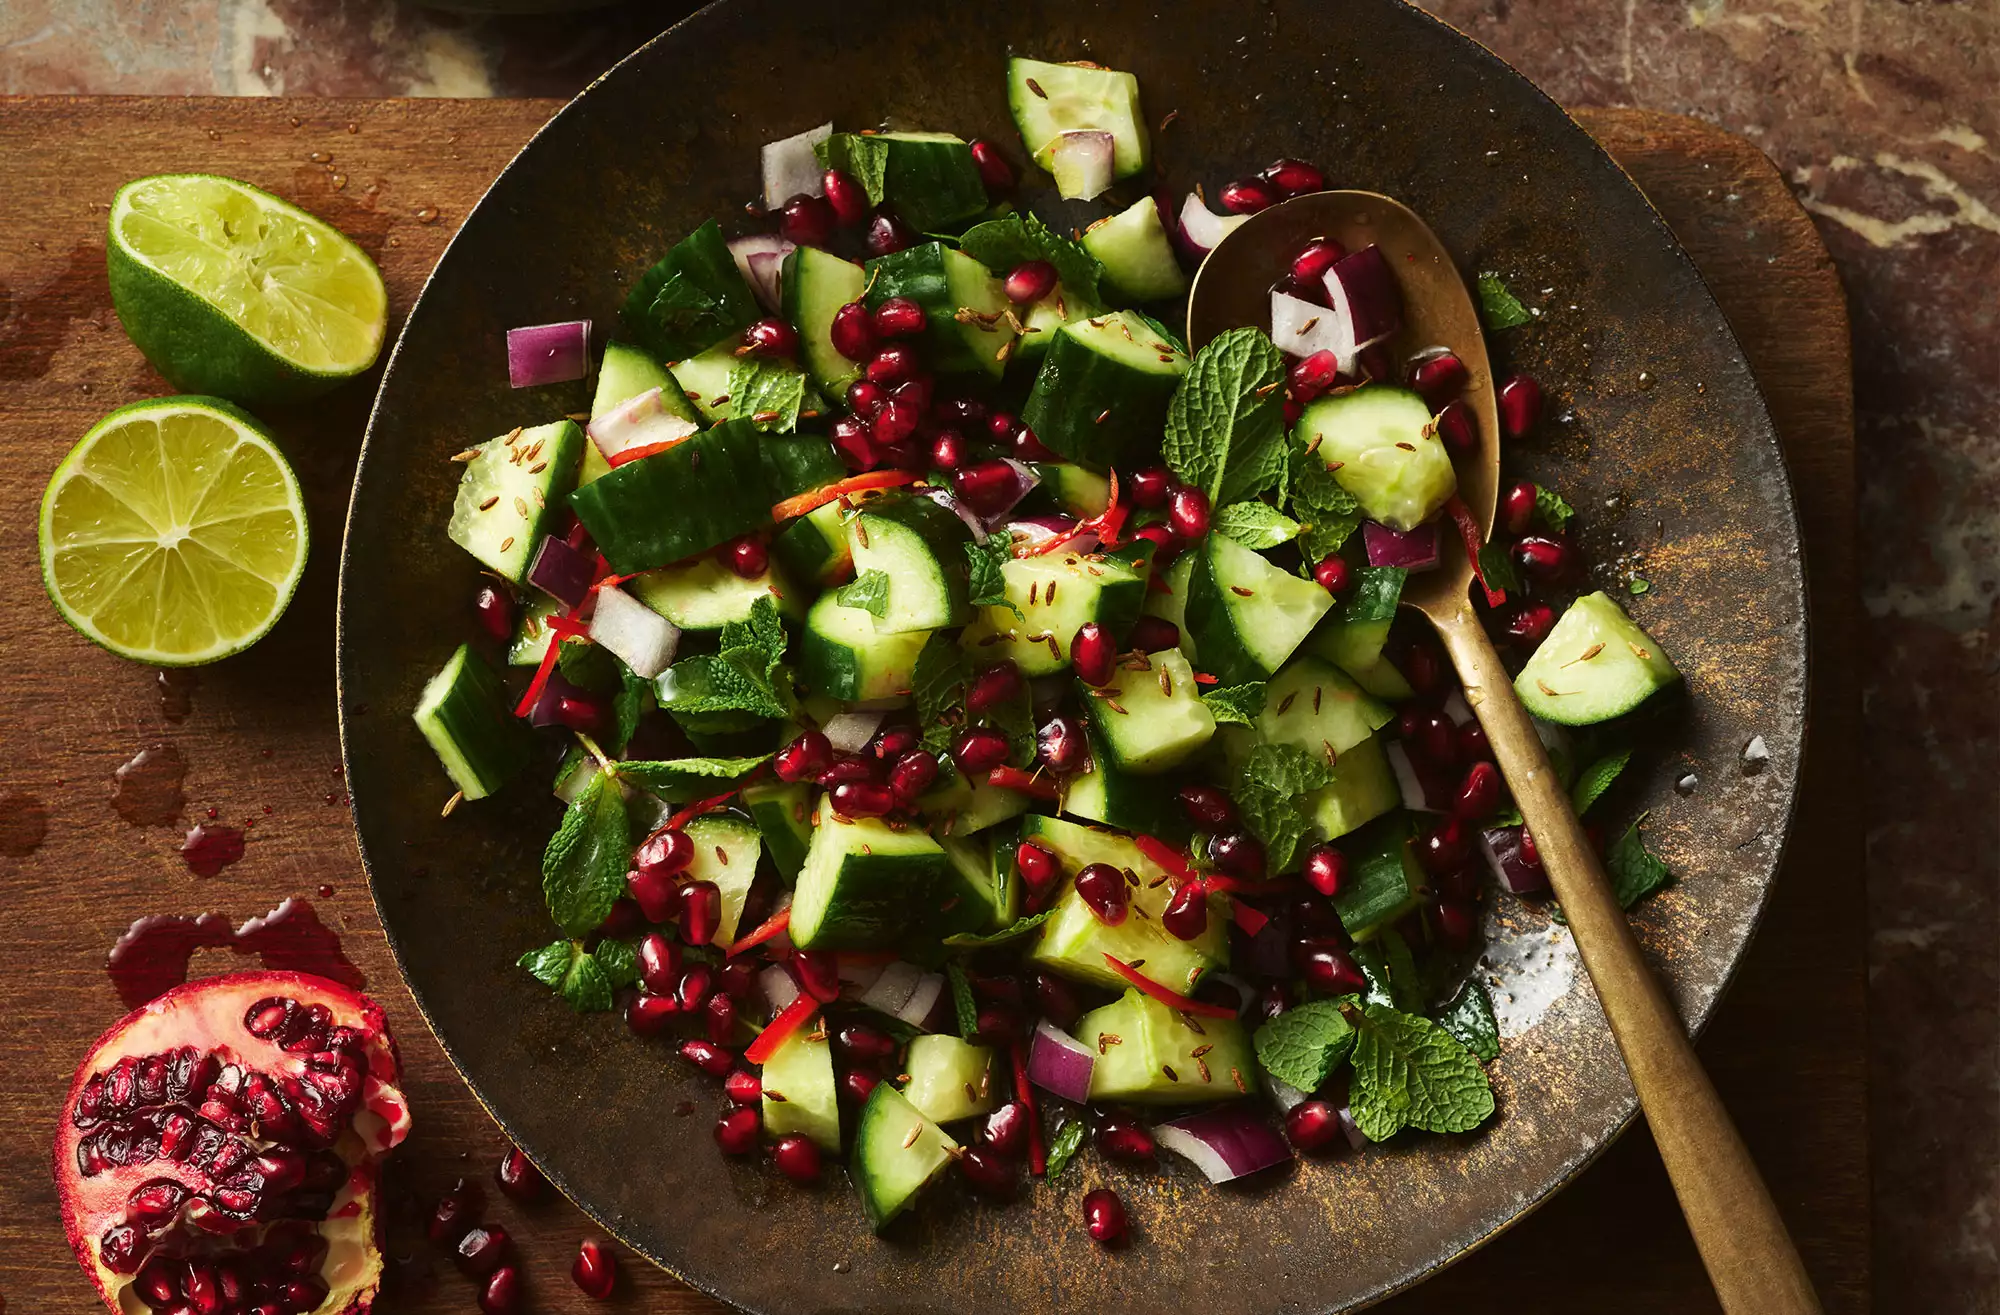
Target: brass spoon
x: 1743, y: 1242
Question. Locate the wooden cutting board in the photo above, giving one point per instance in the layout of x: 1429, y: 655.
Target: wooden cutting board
x: 258, y: 740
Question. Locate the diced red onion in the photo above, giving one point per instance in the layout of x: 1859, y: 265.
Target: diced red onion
x: 1284, y: 1094
x: 1363, y: 292
x: 1301, y: 328
x: 759, y: 259
x: 791, y: 168
x: 562, y: 572
x: 1414, y: 550
x: 540, y: 354
x: 1500, y: 846
x: 554, y: 690
x: 1225, y: 1143
x: 1025, y: 479
x: 1081, y: 164
x: 1350, y: 1129
x: 778, y: 987
x: 1409, y: 783
x: 943, y: 498
x: 849, y: 732
x: 1203, y: 229
x: 637, y: 421
x: 640, y: 637
x: 1060, y: 1063
x: 1455, y: 708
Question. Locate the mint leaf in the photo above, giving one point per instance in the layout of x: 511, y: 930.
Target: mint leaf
x: 681, y: 779
x: 1236, y: 704
x: 966, y: 940
x: 629, y: 708
x: 587, y: 665
x: 1226, y: 421
x: 767, y: 392
x: 692, y: 299
x: 1634, y: 870
x: 1469, y: 1017
x: 868, y: 591
x: 1549, y: 505
x: 1497, y: 568
x: 865, y: 157
x: 1270, y: 793
x: 1386, y: 962
x: 1328, y: 513
x: 938, y: 685
x: 1639, y: 585
x: 961, y: 999
x: 619, y: 962
x: 1595, y: 779
x: 1499, y: 308
x: 577, y: 976
x: 1017, y: 238
x: 760, y: 637
x: 738, y: 678
x: 583, y: 869
x: 985, y: 586
x: 550, y: 964
x: 1256, y: 525
x: 1409, y: 1072
x: 1302, y: 1046
x: 1063, y: 1148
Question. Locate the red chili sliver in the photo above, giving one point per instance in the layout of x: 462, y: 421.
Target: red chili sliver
x: 542, y: 673
x: 1172, y: 999
x: 805, y: 502
x: 1246, y: 917
x: 773, y: 925
x: 1024, y: 1091
x: 789, y: 1020
x: 1013, y: 778
x: 1468, y: 531
x: 1166, y: 856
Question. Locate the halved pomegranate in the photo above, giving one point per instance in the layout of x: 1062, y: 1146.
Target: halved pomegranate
x: 219, y: 1150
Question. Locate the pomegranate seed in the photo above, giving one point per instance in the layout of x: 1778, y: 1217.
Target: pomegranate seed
x: 623, y: 920
x: 1312, y: 375
x: 843, y: 770
x: 1206, y: 806
x: 1127, y: 1142
x: 1104, y: 1217
x: 736, y: 1132
x: 804, y: 758
x: 157, y: 1285
x: 998, y: 1026
x: 1439, y: 377
x: 1001, y: 425
x: 1291, y: 412
x: 701, y: 912
x: 666, y: 853
x: 1312, y: 290
x: 1149, y: 487
x: 1455, y: 922
x: 1543, y: 558
x: 1187, y: 512
x: 1423, y: 668
x: 1325, y: 869
x: 710, y: 1058
x: 1472, y: 745
x: 1295, y: 177
x: 518, y: 1177
x: 1312, y: 1125
x: 496, y: 611
x: 854, y: 439
x: 1056, y: 1000
x: 1329, y: 970
x: 1186, y: 914
x: 1155, y: 634
x: 857, y: 1084
x: 864, y: 396
x: 1315, y: 259
x: 887, y: 233
x: 948, y: 450
x: 1517, y: 507
x: 502, y: 1293
x: 797, y: 1158
x: 862, y: 799
x: 914, y: 773
x: 1461, y: 884
x: 771, y: 337
x: 893, y: 741
x: 1103, y: 888
x: 1479, y: 794
x: 1061, y: 745
x: 694, y: 986
x: 456, y: 1212
x: 1167, y: 544
x: 719, y: 1017
x: 1520, y: 406
x: 994, y: 687
x: 1239, y: 854
x: 743, y: 1087
x: 1333, y: 575
x: 853, y: 332
x: 1006, y: 1129
x: 1246, y: 196
x: 988, y: 487
x: 1529, y: 623
x: 892, y: 365
x: 898, y: 317
x: 1444, y: 848
x: 1026, y: 447
x: 1037, y: 866
x: 739, y: 979
x: 1029, y: 282
x: 979, y: 750
x: 807, y: 220
x: 1529, y: 854
x: 748, y: 557
x: 818, y: 974
x: 483, y: 1250
x: 1458, y: 428
x: 1376, y: 363
x: 862, y: 1042
x: 846, y: 195
x: 909, y: 455
x: 1428, y: 737
x: 965, y: 412
x: 656, y: 894
x: 595, y: 1270
x: 1092, y: 654
x: 994, y: 171
x: 580, y: 712
x: 990, y: 1173
x: 1272, y: 999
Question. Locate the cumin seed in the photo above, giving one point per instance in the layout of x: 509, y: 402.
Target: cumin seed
x: 911, y: 1140
x: 465, y: 456
x: 720, y: 398
x: 1201, y: 1050
x: 1049, y: 597
x: 1166, y: 683
x: 1055, y: 650
x: 1326, y: 747
x: 521, y: 506
x: 1033, y: 586
x: 537, y: 469
x: 1115, y: 706
x: 1168, y: 1069
x: 1587, y: 654
x: 763, y: 417
x: 1642, y: 654
x: 1240, y: 591
x: 489, y: 503
x: 775, y: 1097
x: 1107, y: 1039
x: 722, y: 856
x: 1236, y: 1075
x: 1285, y: 704
x: 506, y: 543
x: 1543, y: 686
x: 1103, y: 416
x: 1407, y: 447
x: 1036, y: 87
x: 457, y: 798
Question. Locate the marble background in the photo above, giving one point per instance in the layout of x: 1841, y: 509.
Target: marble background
x: 1884, y: 116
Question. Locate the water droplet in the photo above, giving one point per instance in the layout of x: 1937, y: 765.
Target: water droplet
x: 1646, y: 380
x: 320, y: 157
x: 339, y: 182
x: 427, y: 214
x: 294, y: 120
x: 1686, y: 784
x: 353, y: 128
x: 177, y: 693
x: 1755, y: 756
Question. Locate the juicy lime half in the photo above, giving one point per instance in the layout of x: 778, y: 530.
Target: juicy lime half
x: 174, y: 532
x: 228, y: 290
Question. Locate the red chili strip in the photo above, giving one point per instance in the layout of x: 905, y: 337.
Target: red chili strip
x: 1166, y: 856
x: 1014, y: 778
x: 1024, y: 1091
x: 1468, y: 531
x: 1246, y: 917
x: 1172, y: 999
x: 771, y: 927
x: 788, y: 1021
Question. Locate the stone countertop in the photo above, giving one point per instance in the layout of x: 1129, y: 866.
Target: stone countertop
x: 1883, y: 117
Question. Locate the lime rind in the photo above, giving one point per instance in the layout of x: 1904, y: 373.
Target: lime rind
x: 174, y: 533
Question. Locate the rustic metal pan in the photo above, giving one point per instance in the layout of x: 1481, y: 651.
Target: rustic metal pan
x: 1658, y: 434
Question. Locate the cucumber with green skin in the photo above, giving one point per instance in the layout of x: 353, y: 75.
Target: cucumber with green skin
x: 864, y: 885
x: 628, y: 371
x: 1245, y: 614
x: 1596, y: 664
x: 844, y: 656
x: 1117, y: 798
x: 799, y: 463
x: 1383, y: 878
x: 1056, y: 593
x: 920, y: 548
x: 465, y: 714
x: 511, y: 493
x: 1074, y: 941
x: 929, y: 177
x: 814, y: 286
x: 704, y: 594
x: 1158, y: 1059
x: 950, y: 1078
x: 1101, y: 396
x: 967, y: 326
x: 1353, y: 633
x: 1382, y: 447
x: 782, y: 811
x: 967, y: 808
x: 696, y: 495
x: 693, y: 298
x: 1038, y: 326
x: 1048, y: 100
x: 1149, y: 719
x: 800, y: 1093
x: 897, y: 1153
x: 726, y: 849
x: 1138, y: 258
x: 1363, y: 789
x: 814, y: 546
x: 1316, y: 707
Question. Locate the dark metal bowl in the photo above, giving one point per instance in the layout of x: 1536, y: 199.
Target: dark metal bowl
x: 1685, y: 471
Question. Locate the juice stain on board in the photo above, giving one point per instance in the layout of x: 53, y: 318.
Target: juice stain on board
x: 152, y: 956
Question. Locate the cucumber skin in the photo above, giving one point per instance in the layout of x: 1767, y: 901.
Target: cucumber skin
x: 799, y: 463
x: 805, y: 553
x: 1075, y: 385
x: 932, y: 184
x: 1209, y: 619
x: 475, y: 719
x: 943, y: 534
x: 697, y: 494
x: 890, y: 886
x: 826, y: 367
x: 922, y: 274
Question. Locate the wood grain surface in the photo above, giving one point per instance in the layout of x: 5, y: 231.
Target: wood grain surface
x: 1787, y: 1048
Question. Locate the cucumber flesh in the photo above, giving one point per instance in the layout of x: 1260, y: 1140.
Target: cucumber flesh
x: 966, y: 308
x: 704, y: 594
x: 1382, y: 448
x: 1074, y: 942
x: 815, y: 285
x: 628, y: 371
x: 1384, y: 878
x: 919, y: 550
x: 465, y: 716
x: 863, y: 884
x: 704, y: 381
x: 897, y: 1153
x: 507, y: 501
x: 782, y: 811
x: 1039, y: 325
x: 844, y: 656
x: 1363, y: 789
x: 1056, y: 593
x: 664, y: 508
x: 814, y: 547
x: 950, y: 1079
x: 1048, y: 100
x: 1157, y: 1059
x: 1312, y: 705
x: 1132, y: 246
x: 800, y: 1094
x: 1246, y: 614
x: 1101, y: 396
x: 726, y: 850
x: 1150, y: 720
x: 1595, y: 665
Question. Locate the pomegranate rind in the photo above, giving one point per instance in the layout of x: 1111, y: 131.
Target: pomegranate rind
x: 206, y: 1011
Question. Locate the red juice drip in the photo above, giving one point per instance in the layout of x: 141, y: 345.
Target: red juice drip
x: 147, y: 790
x: 292, y: 938
x: 211, y: 847
x: 152, y: 956
x: 24, y: 823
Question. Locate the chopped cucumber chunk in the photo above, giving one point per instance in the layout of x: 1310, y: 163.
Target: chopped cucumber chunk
x: 1051, y: 99
x: 1381, y: 446
x: 1595, y: 665
x: 1132, y: 246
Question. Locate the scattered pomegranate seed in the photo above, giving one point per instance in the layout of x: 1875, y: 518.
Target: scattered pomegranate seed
x: 854, y: 439
x: 518, y: 1177
x: 1544, y: 558
x: 1272, y: 999
x: 1295, y: 177
x: 994, y: 171
x: 1326, y: 869
x: 1027, y: 447
x: 714, y: 1060
x: 659, y: 963
x: 1125, y: 1141
x: 743, y: 1087
x: 648, y: 1015
x: 1206, y: 806
x: 998, y: 1025
x: 862, y: 799
x: 1530, y: 623
x: 1376, y: 363
x: 898, y: 317
x: 1517, y: 507
x: 1093, y: 654
x: 1520, y: 406
x: 500, y: 1296
x: 1057, y: 1001
x: 1166, y: 544
x: 1315, y: 259
x: 991, y: 1174
x: 1460, y: 884
x: 887, y: 233
x: 1037, y: 866
x: 1155, y: 634
x: 987, y: 487
x: 483, y: 1250
x: 771, y: 337
x: 657, y: 895
x: 1472, y: 745
x: 1239, y: 854
x: 1061, y: 746
x: 1149, y: 486
x: 853, y: 332
x: 847, y: 197
x: 892, y: 365
x: 701, y: 912
x: 863, y: 1042
x: 1423, y: 668
x: 1186, y: 914
x: 857, y: 1084
x: 864, y: 767
x: 817, y: 972
x: 1029, y: 282
x: 736, y: 1132
x: 1103, y: 888
x: 948, y: 450
x: 668, y: 853
x: 965, y: 412
x: 1458, y: 428
x: 495, y: 608
x: 914, y: 773
x: 456, y: 1212
x: 979, y: 750
x: 1333, y: 575
x: 1439, y: 377
x: 1001, y: 425
x: 796, y: 1157
x: 807, y: 220
x: 1313, y: 1125
x: 749, y: 558
x: 1312, y: 375
x: 1187, y: 512
x: 1478, y: 794
x: 804, y: 758
x: 624, y: 919
x: 1455, y: 922
x: 719, y: 1017
x: 1330, y: 970
x: 580, y: 712
x: 1529, y: 854
x: 1444, y: 848
x: 1104, y: 1217
x: 893, y: 741
x: 1006, y: 1129
x: 1246, y: 196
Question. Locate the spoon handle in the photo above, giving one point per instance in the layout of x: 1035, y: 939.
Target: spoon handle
x: 1743, y: 1243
